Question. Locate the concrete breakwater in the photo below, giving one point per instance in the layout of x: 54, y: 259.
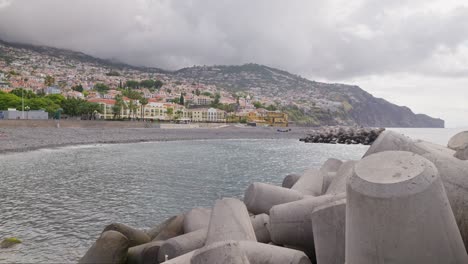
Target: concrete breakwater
x: 343, y: 135
x: 404, y: 201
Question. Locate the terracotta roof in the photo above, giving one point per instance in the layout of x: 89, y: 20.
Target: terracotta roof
x: 101, y: 100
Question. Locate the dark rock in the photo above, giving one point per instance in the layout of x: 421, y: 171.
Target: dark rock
x: 111, y: 247
x: 135, y: 237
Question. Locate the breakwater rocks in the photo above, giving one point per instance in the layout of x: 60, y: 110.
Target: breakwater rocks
x: 405, y: 201
x: 343, y: 135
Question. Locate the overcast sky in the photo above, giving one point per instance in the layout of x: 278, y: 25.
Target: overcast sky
x: 410, y: 52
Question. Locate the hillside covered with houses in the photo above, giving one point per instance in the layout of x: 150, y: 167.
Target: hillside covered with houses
x: 92, y: 88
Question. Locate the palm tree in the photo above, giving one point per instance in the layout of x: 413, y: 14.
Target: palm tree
x: 143, y: 102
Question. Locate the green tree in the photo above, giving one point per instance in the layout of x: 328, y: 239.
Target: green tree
x: 8, y: 100
x: 20, y: 92
x: 158, y: 84
x: 49, y: 81
x: 118, y: 106
x: 132, y: 94
x: 132, y: 106
x: 170, y: 112
x: 178, y: 114
x: 132, y: 84
x: 147, y: 83
x: 207, y: 94
x: 101, y: 88
x: 78, y: 88
x: 271, y: 108
x: 181, y: 100
x: 197, y: 92
x: 143, y: 102
x: 56, y: 98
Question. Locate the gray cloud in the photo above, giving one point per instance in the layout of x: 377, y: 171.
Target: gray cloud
x: 337, y: 40
x: 326, y: 39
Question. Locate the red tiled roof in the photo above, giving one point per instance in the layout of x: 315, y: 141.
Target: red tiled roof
x: 101, y: 100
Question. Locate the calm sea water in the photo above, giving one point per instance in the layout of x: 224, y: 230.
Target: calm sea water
x: 58, y: 201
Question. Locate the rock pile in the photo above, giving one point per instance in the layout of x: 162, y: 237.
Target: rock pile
x: 343, y: 135
x: 406, y: 201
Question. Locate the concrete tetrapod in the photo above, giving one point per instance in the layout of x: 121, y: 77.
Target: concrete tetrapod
x: 154, y: 231
x: 398, y: 212
x: 111, y: 247
x: 453, y: 172
x: 328, y: 225
x: 290, y: 180
x: 228, y: 252
x: 338, y: 184
x: 175, y: 227
x: 257, y: 253
x: 260, y: 225
x: 260, y: 197
x: 459, y: 141
x: 195, y: 219
x: 135, y: 237
x: 144, y: 254
x: 182, y: 244
x: 328, y: 172
x: 229, y: 221
x: 310, y: 183
x: 291, y: 223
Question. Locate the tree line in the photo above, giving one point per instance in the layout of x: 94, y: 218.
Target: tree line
x: 49, y: 103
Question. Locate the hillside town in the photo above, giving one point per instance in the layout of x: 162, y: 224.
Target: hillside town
x: 128, y: 93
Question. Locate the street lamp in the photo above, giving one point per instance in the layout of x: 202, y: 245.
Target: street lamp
x: 27, y: 111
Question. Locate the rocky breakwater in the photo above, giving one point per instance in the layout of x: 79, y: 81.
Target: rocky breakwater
x: 405, y: 201
x: 343, y: 135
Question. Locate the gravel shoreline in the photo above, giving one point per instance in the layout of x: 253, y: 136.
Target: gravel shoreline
x: 33, y: 138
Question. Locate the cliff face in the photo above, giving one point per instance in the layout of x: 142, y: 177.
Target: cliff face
x: 367, y: 110
x: 309, y: 102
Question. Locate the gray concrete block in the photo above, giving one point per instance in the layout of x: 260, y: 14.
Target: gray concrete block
x: 184, y: 259
x: 228, y: 252
x: 290, y: 180
x: 197, y: 218
x: 175, y: 227
x: 135, y: 237
x: 182, y: 244
x: 144, y: 254
x: 398, y: 212
x: 328, y: 226
x: 459, y: 141
x: 154, y: 231
x: 260, y: 225
x: 259, y: 253
x: 260, y: 197
x: 461, y: 154
x: 338, y: 184
x: 111, y: 247
x: 328, y: 172
x: 453, y: 171
x: 291, y: 224
x: 310, y: 183
x: 229, y: 221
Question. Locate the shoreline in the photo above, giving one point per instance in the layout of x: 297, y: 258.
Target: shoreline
x: 16, y: 140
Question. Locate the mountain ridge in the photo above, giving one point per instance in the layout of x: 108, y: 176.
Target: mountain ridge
x: 308, y: 102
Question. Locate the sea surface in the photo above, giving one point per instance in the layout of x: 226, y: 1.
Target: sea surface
x: 57, y: 201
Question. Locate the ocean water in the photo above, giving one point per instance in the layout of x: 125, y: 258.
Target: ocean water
x: 57, y: 201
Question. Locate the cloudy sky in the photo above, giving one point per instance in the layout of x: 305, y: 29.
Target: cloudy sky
x: 410, y: 52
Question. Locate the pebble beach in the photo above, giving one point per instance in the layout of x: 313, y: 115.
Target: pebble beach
x: 21, y: 139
